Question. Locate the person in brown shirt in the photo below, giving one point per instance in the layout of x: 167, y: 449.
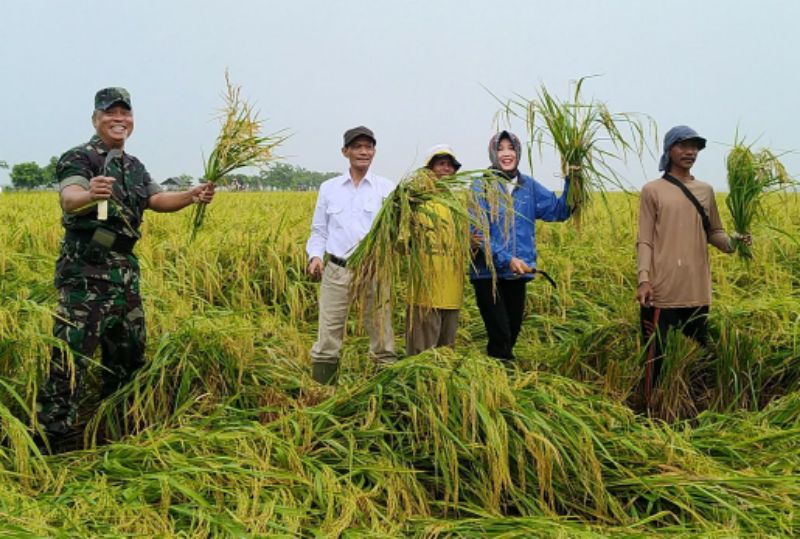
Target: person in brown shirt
x: 674, y: 279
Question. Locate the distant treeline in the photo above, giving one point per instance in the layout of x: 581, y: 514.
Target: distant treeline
x: 32, y: 176
x: 280, y: 176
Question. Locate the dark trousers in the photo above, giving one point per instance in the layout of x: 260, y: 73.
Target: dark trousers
x: 656, y: 322
x: 502, y: 312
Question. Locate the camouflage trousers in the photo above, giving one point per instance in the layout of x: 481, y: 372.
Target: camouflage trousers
x: 92, y: 313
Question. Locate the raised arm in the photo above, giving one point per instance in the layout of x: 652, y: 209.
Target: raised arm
x: 80, y: 188
x: 77, y: 199
x: 549, y: 207
x: 166, y: 201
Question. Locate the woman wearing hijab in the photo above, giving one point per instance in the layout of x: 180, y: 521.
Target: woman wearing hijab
x: 512, y: 242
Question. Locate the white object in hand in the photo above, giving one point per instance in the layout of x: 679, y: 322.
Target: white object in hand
x: 102, y: 210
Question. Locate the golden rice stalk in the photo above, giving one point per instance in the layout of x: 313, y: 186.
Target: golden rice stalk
x: 587, y: 136
x: 423, y: 216
x: 240, y: 144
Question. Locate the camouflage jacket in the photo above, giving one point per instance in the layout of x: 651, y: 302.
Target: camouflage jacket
x: 131, y: 190
x: 125, y: 211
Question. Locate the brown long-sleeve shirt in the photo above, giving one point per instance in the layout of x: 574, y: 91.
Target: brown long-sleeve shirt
x: 672, y: 245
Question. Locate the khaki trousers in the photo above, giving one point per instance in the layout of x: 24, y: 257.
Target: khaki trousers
x: 429, y: 328
x: 334, y: 306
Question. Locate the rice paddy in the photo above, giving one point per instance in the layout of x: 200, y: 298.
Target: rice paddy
x: 223, y: 433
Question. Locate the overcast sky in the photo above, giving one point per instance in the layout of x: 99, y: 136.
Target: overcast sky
x: 416, y: 72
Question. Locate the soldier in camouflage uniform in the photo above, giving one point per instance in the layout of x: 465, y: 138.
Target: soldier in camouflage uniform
x: 97, y: 274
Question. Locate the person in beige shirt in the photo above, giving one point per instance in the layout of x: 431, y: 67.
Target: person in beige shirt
x: 674, y: 279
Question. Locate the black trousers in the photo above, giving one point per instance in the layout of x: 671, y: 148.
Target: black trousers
x: 502, y: 314
x: 656, y: 323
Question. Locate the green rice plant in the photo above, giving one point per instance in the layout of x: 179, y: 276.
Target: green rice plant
x: 539, y: 445
x: 750, y: 175
x: 223, y: 433
x: 198, y: 368
x: 742, y: 439
x: 240, y: 144
x: 587, y: 136
x: 18, y: 453
x: 681, y: 387
x: 408, y: 229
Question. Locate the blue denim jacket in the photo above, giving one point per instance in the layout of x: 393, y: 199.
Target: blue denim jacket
x: 531, y: 201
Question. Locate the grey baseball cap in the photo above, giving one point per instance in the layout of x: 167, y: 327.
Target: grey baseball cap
x: 351, y: 134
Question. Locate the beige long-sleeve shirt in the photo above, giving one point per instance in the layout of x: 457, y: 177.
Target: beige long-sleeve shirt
x: 672, y: 245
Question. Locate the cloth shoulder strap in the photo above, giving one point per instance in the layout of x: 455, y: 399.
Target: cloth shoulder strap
x: 693, y: 199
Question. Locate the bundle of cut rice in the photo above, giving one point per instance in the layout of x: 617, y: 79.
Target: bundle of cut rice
x: 423, y: 216
x: 750, y: 175
x: 239, y: 144
x: 587, y: 137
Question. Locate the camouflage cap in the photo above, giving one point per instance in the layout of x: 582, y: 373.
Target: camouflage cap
x: 107, y: 97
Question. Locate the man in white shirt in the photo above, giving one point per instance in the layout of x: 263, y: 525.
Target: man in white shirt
x: 346, y: 207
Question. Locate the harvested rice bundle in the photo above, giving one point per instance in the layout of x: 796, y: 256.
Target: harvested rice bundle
x: 412, y: 225
x: 239, y: 144
x: 750, y: 175
x: 584, y: 134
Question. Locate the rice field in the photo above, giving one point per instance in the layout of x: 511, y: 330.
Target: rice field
x: 224, y: 433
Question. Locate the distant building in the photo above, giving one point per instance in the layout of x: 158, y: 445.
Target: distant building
x: 176, y: 183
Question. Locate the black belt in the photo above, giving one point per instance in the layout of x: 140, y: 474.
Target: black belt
x: 341, y: 262
x: 122, y: 243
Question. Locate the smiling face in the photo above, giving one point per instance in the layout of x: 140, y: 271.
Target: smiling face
x: 683, y: 154
x: 507, y: 158
x: 113, y: 125
x: 442, y: 165
x: 360, y: 153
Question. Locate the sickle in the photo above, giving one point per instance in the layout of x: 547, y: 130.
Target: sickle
x: 545, y: 275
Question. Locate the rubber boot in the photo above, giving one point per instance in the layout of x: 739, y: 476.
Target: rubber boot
x: 324, y: 373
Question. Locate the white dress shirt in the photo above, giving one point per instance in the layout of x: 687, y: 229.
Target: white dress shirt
x: 344, y: 213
